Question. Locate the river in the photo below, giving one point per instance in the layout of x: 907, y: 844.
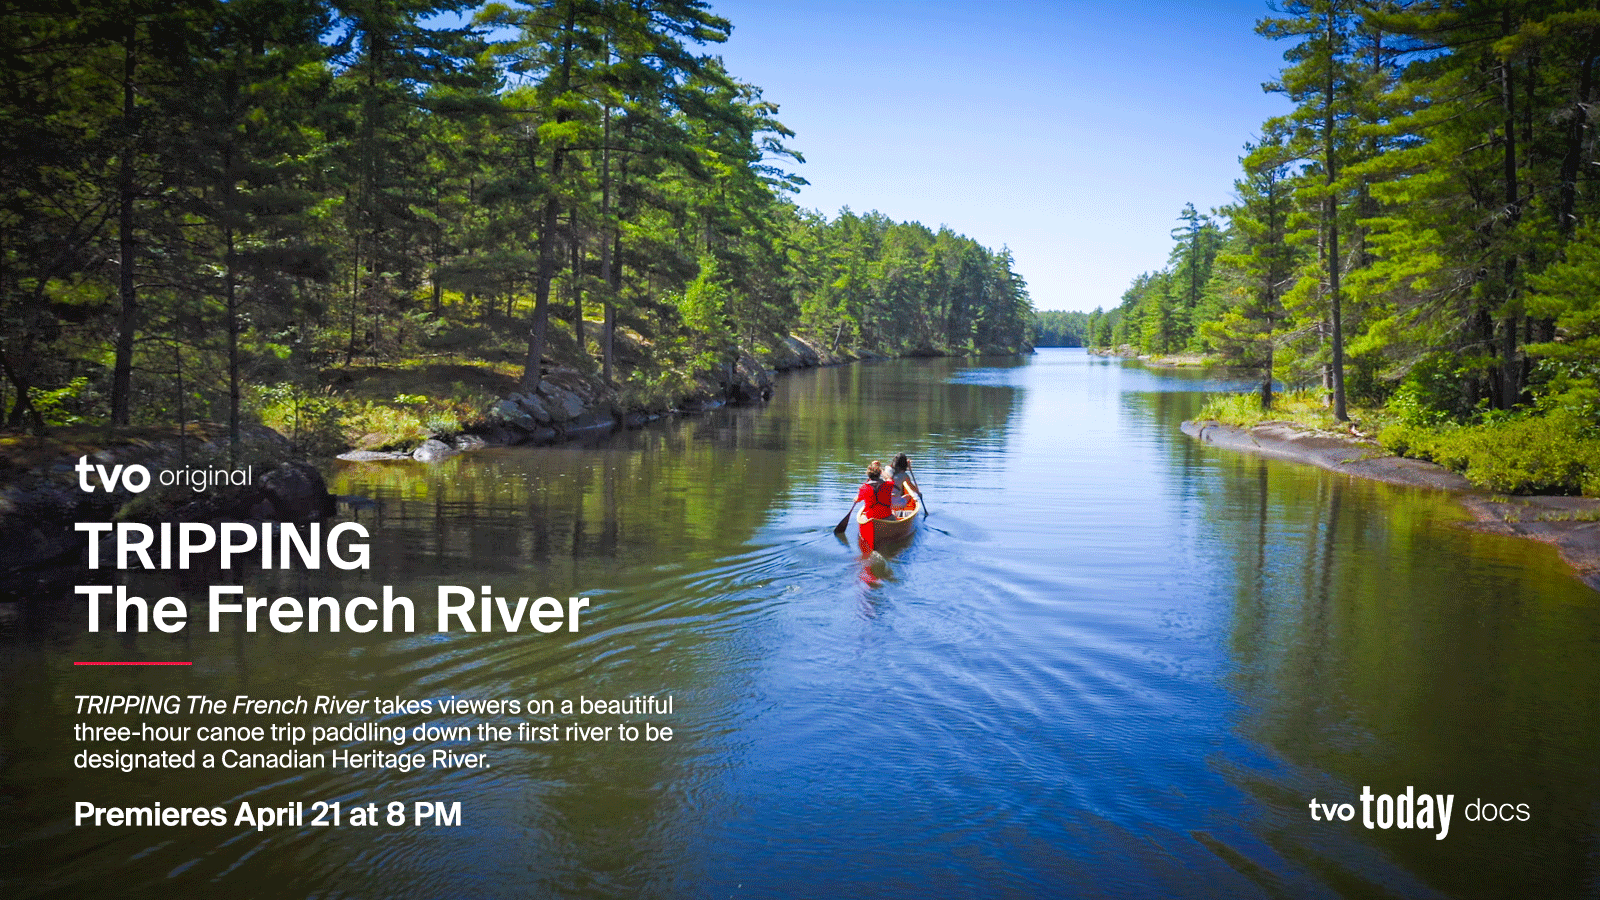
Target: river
x: 1112, y: 662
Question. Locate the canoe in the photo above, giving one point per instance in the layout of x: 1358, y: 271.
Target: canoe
x: 882, y: 531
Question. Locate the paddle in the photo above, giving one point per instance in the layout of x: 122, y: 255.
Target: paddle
x: 839, y: 528
x: 922, y: 499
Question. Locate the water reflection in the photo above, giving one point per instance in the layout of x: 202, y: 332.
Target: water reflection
x: 1111, y: 661
x: 1359, y: 661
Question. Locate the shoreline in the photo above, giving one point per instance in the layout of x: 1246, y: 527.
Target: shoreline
x: 569, y: 406
x: 1571, y: 524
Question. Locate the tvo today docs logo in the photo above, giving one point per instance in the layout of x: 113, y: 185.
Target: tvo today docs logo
x: 1403, y: 811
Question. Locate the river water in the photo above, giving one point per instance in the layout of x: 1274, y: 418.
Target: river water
x: 1112, y: 662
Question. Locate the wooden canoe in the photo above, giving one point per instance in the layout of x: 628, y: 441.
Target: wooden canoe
x: 881, y: 531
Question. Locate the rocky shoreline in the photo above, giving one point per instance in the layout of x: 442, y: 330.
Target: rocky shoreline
x: 569, y: 405
x: 1571, y: 524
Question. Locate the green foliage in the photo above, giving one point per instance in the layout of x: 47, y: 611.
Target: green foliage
x: 1162, y: 312
x: 1244, y: 410
x: 1422, y: 230
x: 63, y: 405
x: 307, y: 186
x: 900, y: 287
x: 1431, y: 394
x: 705, y: 307
x: 309, y: 419
x: 1524, y: 454
x: 657, y: 391
x: 380, y: 426
x: 322, y: 423
x: 1059, y: 328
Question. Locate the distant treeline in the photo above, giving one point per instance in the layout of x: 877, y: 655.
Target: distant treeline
x: 1419, y: 235
x: 1059, y: 328
x: 203, y: 199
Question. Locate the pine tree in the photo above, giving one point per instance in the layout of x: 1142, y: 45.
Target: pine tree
x: 1260, y: 264
x: 1322, y: 81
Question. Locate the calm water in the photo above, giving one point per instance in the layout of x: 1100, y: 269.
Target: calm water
x: 1113, y: 662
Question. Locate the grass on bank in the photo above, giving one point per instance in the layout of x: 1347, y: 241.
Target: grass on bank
x: 1525, y: 453
x: 381, y: 408
x: 1305, y: 408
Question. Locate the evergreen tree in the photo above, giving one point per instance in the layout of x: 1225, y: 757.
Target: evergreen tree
x: 1259, y: 265
x: 1321, y: 79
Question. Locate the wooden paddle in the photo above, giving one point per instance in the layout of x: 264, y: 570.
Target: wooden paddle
x: 839, y: 528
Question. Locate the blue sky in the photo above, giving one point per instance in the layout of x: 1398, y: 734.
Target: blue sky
x: 1072, y: 132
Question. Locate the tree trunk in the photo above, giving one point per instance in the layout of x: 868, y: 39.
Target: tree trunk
x: 1510, y: 387
x: 355, y: 293
x: 1266, y: 380
x: 232, y: 298
x: 1330, y: 208
x: 128, y: 317
x: 532, y: 373
x: 607, y: 230
x: 1572, y: 156
x: 23, y: 411
x: 576, y: 248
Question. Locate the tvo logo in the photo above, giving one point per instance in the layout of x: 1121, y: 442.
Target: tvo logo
x: 134, y: 477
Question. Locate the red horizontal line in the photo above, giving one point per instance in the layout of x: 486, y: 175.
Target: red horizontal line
x: 133, y: 663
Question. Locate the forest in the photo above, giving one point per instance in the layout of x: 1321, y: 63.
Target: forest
x: 1060, y: 328
x: 219, y: 211
x: 1416, y: 243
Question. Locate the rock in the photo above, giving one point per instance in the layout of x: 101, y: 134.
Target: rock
x: 298, y: 492
x: 500, y: 434
x: 530, y: 404
x: 433, y: 450
x: 373, y: 455
x: 513, y: 414
x: 564, y: 405
x: 37, y: 515
x: 797, y: 354
x: 751, y: 382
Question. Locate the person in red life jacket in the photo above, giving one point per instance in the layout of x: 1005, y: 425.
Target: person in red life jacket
x: 877, y: 494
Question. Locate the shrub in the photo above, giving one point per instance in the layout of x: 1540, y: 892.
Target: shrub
x: 62, y: 406
x: 310, y: 420
x: 1433, y: 392
x: 1525, y: 454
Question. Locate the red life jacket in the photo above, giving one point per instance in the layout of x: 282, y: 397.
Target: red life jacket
x: 879, y: 497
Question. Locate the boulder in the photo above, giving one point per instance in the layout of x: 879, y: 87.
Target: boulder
x: 298, y: 493
x: 530, y: 404
x: 433, y: 450
x: 373, y: 455
x: 751, y: 382
x: 563, y: 404
x: 512, y: 414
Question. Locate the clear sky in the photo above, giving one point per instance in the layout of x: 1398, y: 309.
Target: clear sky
x: 1072, y: 132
